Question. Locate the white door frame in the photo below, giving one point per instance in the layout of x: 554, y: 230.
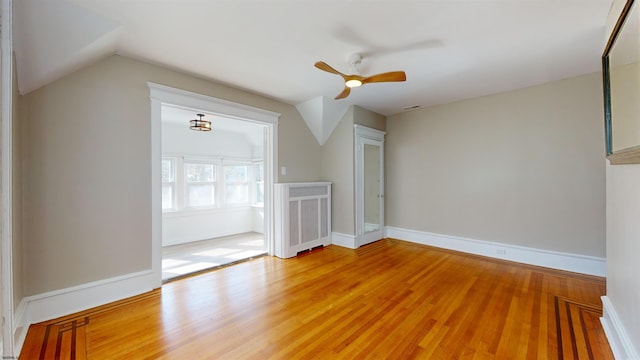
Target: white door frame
x: 164, y: 94
x: 8, y: 344
x: 365, y: 135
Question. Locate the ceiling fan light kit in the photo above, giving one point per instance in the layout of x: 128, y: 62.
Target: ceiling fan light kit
x: 353, y: 83
x: 355, y: 80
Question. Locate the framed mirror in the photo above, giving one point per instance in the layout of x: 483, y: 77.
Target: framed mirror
x: 621, y: 84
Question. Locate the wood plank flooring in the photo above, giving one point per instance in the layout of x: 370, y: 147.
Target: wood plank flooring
x: 387, y: 300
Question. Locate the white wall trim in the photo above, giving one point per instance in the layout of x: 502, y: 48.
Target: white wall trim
x: 211, y: 104
x: 619, y: 341
x: 344, y: 240
x: 53, y: 304
x: 21, y: 327
x: 583, y: 264
x: 367, y: 132
x: 6, y: 188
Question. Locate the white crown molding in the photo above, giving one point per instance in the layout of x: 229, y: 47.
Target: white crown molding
x: 583, y: 264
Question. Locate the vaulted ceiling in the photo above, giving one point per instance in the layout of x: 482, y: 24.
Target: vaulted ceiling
x: 450, y: 50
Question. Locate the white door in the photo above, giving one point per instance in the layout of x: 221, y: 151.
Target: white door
x: 369, y: 185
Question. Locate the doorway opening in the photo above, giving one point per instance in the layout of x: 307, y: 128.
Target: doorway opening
x: 211, y: 190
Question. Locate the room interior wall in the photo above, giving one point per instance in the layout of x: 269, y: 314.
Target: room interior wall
x: 623, y: 248
x: 623, y: 245
x: 522, y: 168
x: 189, y: 226
x: 86, y: 171
x: 368, y: 118
x: 337, y: 167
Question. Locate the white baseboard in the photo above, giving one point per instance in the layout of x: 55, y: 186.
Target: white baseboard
x: 53, y: 304
x: 552, y: 259
x: 619, y: 341
x: 344, y: 240
x: 20, y: 326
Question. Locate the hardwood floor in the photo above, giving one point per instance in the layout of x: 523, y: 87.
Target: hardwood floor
x: 390, y: 299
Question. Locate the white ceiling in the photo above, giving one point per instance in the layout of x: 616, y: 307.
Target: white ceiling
x: 450, y: 50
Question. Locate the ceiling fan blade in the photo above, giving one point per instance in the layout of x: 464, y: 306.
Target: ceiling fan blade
x: 344, y: 93
x: 324, y: 66
x: 386, y: 77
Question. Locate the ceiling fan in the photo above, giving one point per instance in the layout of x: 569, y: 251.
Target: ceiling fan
x: 355, y: 80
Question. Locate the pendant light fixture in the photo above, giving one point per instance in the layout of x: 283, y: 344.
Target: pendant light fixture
x: 200, y: 124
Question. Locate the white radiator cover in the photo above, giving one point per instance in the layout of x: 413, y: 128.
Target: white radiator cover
x: 302, y: 217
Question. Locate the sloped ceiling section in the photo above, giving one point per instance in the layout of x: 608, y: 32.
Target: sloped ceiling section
x: 322, y: 115
x: 450, y: 50
x: 87, y: 38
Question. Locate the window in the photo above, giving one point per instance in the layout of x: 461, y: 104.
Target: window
x: 200, y: 184
x: 236, y: 183
x: 259, y: 186
x: 203, y: 183
x: 168, y: 184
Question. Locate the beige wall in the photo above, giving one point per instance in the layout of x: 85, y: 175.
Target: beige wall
x: 623, y: 233
x: 523, y: 168
x: 337, y: 167
x: 369, y: 118
x: 86, y: 167
x: 623, y: 246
